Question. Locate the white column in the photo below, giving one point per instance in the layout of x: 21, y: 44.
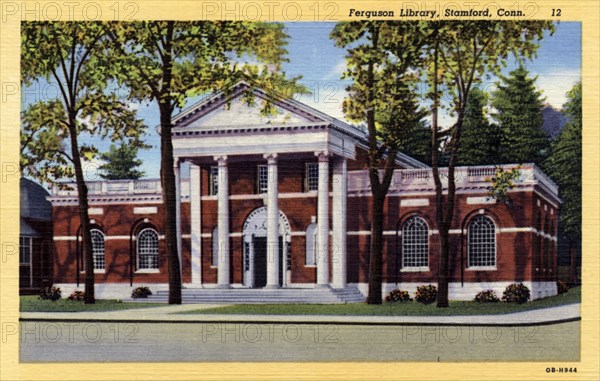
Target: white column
x: 323, y: 221
x: 272, y: 223
x: 223, y: 222
x: 177, y: 170
x: 196, y: 224
x: 338, y: 254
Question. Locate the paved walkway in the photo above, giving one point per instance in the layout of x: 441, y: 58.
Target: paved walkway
x: 169, y: 314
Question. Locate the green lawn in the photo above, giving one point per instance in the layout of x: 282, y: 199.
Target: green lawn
x: 31, y: 303
x: 394, y: 309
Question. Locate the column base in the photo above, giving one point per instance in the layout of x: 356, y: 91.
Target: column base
x: 223, y: 286
x: 327, y: 285
x: 272, y: 287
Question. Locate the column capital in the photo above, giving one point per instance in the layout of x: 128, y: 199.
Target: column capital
x: 177, y: 162
x: 221, y: 159
x: 271, y: 158
x: 323, y: 155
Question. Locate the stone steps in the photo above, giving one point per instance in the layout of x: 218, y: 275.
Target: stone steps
x: 350, y: 294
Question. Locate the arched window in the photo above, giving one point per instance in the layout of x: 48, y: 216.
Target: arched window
x: 215, y: 246
x: 98, y: 249
x: 415, y: 243
x: 311, y: 245
x: 482, y: 242
x: 147, y: 249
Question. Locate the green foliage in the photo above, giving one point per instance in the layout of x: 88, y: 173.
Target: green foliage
x: 141, y: 292
x: 50, y: 293
x: 426, y: 294
x: 121, y: 163
x: 77, y: 296
x: 564, y: 165
x: 516, y: 293
x: 397, y: 295
x: 72, y: 55
x: 519, y: 107
x: 503, y: 181
x: 487, y: 296
x: 479, y: 138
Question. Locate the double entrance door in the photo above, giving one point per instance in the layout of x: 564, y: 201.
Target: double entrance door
x: 260, y: 261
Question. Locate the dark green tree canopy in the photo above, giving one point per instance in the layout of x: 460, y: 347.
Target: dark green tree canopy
x: 564, y: 166
x: 479, y: 141
x: 121, y: 163
x: 519, y: 107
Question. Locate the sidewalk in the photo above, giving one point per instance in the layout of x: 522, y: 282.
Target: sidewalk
x: 169, y: 314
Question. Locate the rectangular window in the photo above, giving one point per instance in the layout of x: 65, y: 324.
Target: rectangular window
x: 312, y: 177
x: 25, y: 250
x: 213, y: 181
x: 263, y: 178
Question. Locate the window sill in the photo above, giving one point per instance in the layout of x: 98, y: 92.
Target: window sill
x: 310, y: 266
x: 482, y: 268
x: 414, y: 269
x: 214, y: 267
x: 96, y: 271
x: 147, y: 271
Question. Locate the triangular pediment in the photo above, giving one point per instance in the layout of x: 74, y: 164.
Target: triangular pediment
x: 220, y: 111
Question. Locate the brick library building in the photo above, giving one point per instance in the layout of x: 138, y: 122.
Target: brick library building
x: 281, y: 204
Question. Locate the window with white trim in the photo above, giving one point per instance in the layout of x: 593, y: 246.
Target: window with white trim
x: 147, y: 249
x: 311, y: 245
x: 215, y: 247
x: 263, y: 178
x: 415, y: 243
x: 312, y: 177
x: 482, y: 242
x: 213, y: 181
x: 25, y: 247
x: 98, y: 249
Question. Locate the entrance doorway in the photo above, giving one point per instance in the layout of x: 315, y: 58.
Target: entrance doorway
x: 260, y: 261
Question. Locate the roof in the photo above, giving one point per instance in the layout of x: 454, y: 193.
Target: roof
x: 312, y: 115
x: 33, y: 201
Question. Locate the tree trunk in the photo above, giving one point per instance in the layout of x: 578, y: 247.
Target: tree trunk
x: 442, y: 292
x: 167, y: 174
x: 376, y: 253
x: 84, y: 218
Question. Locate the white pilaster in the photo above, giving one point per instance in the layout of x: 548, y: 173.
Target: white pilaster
x: 272, y: 223
x: 323, y: 221
x: 338, y: 254
x: 223, y: 278
x: 177, y: 170
x: 196, y: 224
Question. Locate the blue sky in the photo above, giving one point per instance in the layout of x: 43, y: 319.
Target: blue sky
x: 313, y: 55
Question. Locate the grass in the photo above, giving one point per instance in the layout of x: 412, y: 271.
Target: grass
x: 395, y: 309
x: 31, y: 303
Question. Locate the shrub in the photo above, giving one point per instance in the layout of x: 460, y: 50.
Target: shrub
x: 562, y: 287
x: 50, y: 293
x: 398, y: 296
x: 487, y: 296
x: 516, y: 293
x: 426, y: 294
x: 141, y: 292
x: 77, y: 296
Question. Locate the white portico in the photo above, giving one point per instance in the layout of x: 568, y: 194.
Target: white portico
x: 225, y: 131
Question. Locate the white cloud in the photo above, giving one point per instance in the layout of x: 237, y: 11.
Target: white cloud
x: 336, y: 71
x: 555, y: 85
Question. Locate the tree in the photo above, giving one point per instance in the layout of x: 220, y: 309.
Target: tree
x: 380, y: 56
x: 479, y: 145
x: 564, y: 166
x: 72, y: 55
x: 169, y: 61
x: 121, y: 163
x: 414, y: 141
x: 519, y: 107
x: 460, y: 53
